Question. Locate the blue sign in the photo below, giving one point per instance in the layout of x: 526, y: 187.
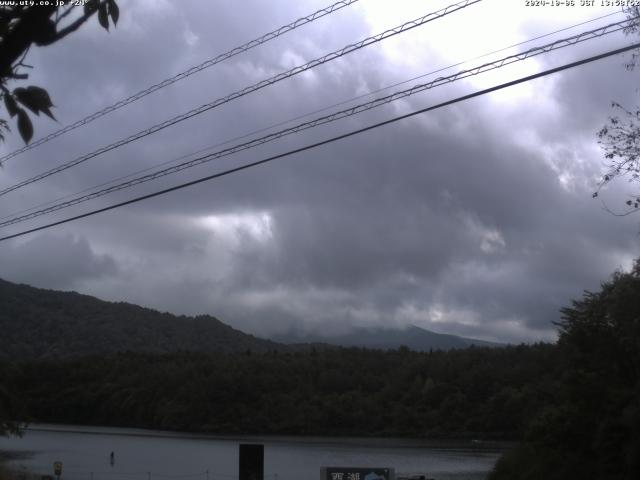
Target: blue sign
x: 356, y: 473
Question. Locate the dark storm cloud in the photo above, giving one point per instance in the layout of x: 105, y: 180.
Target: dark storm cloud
x: 545, y: 230
x: 475, y: 219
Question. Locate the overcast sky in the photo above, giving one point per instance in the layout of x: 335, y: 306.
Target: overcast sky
x: 475, y: 219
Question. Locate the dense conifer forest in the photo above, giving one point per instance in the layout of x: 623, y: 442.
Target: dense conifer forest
x: 472, y: 393
x: 40, y: 323
x: 573, y: 406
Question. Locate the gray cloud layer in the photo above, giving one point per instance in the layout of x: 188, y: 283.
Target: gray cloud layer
x: 476, y: 219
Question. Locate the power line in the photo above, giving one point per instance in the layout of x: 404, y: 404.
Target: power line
x: 565, y: 42
x: 165, y: 83
x: 329, y: 140
x: 323, y: 109
x: 257, y: 86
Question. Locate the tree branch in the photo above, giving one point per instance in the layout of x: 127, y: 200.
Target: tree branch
x: 64, y: 14
x: 73, y: 26
x: 21, y: 36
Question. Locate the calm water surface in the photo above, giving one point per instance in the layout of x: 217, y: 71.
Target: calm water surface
x: 155, y: 455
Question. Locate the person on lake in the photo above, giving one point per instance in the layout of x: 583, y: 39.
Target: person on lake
x: 112, y: 458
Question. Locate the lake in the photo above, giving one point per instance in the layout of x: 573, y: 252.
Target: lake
x: 156, y: 455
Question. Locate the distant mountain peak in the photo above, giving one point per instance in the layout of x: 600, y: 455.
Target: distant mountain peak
x: 389, y: 337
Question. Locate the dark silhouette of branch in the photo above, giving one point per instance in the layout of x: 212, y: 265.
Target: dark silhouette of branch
x: 23, y: 26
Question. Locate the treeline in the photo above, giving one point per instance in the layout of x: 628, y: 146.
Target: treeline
x: 39, y: 323
x: 590, y: 427
x: 478, y: 392
x: 575, y: 405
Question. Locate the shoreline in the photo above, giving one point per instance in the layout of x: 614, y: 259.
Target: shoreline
x: 387, y: 442
x: 84, y: 450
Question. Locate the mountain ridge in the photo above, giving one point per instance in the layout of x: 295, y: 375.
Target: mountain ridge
x: 37, y: 323
x: 384, y: 338
x: 43, y: 323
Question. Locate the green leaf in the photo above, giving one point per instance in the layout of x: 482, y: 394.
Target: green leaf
x: 48, y: 113
x: 41, y: 99
x: 25, y: 127
x: 41, y: 95
x: 35, y: 99
x: 10, y: 104
x: 114, y: 11
x: 25, y: 99
x: 103, y: 16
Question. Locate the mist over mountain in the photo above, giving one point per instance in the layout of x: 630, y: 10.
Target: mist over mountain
x: 413, y: 337
x: 41, y: 323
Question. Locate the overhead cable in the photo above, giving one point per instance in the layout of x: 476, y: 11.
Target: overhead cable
x: 252, y: 88
x: 327, y: 141
x: 299, y: 117
x: 565, y: 42
x: 165, y: 83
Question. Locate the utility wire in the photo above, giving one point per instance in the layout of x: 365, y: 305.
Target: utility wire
x: 257, y: 86
x: 569, y: 41
x: 329, y: 140
x: 308, y: 114
x: 208, y: 63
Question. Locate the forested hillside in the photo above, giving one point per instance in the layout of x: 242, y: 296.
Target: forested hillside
x: 575, y: 405
x: 475, y: 393
x: 590, y: 427
x: 38, y: 323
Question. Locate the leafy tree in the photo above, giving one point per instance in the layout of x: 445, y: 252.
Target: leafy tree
x: 620, y: 137
x: 10, y: 408
x: 21, y: 27
x: 591, y: 429
x: 477, y: 393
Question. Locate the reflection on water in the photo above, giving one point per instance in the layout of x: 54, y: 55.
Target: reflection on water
x: 152, y: 455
